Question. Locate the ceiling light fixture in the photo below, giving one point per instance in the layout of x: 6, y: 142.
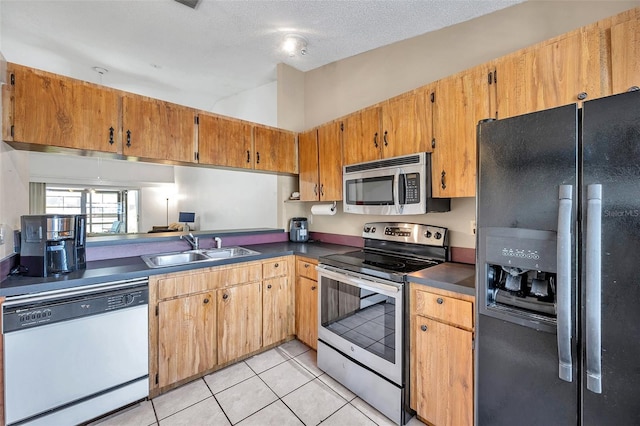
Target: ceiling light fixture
x: 294, y: 44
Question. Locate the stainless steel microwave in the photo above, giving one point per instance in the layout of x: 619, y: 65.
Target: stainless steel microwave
x: 394, y: 186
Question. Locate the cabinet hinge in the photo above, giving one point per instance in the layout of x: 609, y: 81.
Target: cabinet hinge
x: 495, y: 76
x: 473, y: 344
x: 13, y: 79
x: 342, y: 127
x: 490, y: 78
x: 433, y: 97
x: 196, y: 156
x: 12, y: 128
x: 156, y: 378
x: 157, y: 311
x: 196, y: 119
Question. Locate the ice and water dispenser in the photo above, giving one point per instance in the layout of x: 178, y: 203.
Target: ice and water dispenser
x: 519, y: 275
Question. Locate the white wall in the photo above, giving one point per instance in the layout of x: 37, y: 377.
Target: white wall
x: 258, y: 105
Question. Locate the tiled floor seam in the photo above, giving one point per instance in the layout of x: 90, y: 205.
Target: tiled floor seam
x: 213, y: 395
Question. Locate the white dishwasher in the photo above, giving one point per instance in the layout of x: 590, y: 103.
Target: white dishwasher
x: 72, y: 355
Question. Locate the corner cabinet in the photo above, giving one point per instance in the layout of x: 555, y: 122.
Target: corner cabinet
x: 276, y: 150
x: 202, y: 320
x: 442, y: 334
x: 320, y: 163
x: 47, y: 109
x: 307, y: 301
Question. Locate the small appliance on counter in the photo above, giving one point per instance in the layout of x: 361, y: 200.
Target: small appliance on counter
x: 298, y: 230
x: 52, y: 244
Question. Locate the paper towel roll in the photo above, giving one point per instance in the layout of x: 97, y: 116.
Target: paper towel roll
x: 323, y: 209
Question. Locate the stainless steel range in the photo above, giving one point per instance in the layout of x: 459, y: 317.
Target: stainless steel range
x: 363, y: 337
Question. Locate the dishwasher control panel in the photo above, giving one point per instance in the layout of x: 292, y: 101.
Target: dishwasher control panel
x: 35, y: 312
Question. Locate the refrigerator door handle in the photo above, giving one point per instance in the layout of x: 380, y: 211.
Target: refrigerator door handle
x: 593, y: 288
x: 565, y: 364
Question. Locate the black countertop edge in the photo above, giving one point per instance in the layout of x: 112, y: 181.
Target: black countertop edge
x: 102, y: 271
x: 456, y: 277
x: 119, y: 239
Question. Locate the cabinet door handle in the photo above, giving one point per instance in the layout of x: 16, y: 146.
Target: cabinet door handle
x: 306, y: 265
x: 313, y: 287
x: 206, y: 300
x: 248, y: 156
x: 322, y: 189
x: 276, y: 265
x: 423, y: 327
x: 315, y: 189
x: 442, y: 181
x: 384, y: 138
x: 375, y: 139
x: 440, y: 300
x: 111, y: 129
x: 269, y: 286
x: 433, y: 143
x: 225, y: 296
x: 128, y: 137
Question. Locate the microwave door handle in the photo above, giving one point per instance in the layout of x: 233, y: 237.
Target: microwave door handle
x: 396, y: 191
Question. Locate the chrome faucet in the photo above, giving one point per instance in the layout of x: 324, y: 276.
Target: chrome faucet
x: 218, y: 242
x: 193, y: 241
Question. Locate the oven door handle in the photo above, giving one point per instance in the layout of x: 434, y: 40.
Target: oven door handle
x: 366, y: 284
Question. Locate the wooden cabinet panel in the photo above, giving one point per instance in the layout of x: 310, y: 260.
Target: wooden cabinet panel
x: 307, y: 311
x: 181, y: 284
x: 187, y: 340
x: 277, y: 310
x: 460, y: 102
x: 157, y: 129
x: 225, y: 142
x: 48, y: 109
x: 446, y: 309
x: 406, y: 124
x: 625, y: 56
x: 548, y: 75
x: 361, y: 138
x: 239, y: 327
x: 330, y: 161
x: 275, y: 150
x: 308, y: 177
x: 243, y: 273
x: 444, y: 373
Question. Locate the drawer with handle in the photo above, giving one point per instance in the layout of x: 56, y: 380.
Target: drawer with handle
x: 307, y: 268
x: 443, y: 308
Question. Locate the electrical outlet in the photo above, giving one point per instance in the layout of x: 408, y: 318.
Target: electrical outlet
x: 473, y: 227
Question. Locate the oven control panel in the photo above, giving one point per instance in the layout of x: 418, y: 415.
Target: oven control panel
x: 406, y: 232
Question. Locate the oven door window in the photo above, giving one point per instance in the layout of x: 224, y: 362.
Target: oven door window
x: 361, y: 316
x: 373, y: 191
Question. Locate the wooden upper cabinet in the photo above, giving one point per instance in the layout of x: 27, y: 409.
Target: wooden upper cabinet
x: 159, y: 130
x: 407, y: 124
x: 460, y: 102
x: 308, y: 176
x: 49, y: 109
x: 361, y: 138
x: 625, y: 56
x: 330, y: 161
x: 225, y: 142
x: 562, y: 71
x: 275, y: 150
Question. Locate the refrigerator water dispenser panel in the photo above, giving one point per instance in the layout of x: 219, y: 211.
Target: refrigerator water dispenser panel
x: 520, y: 276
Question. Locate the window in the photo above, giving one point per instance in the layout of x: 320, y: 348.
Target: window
x: 108, y: 210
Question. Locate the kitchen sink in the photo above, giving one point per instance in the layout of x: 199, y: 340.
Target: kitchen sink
x: 195, y: 256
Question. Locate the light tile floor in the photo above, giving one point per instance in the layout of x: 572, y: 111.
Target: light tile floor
x: 282, y: 386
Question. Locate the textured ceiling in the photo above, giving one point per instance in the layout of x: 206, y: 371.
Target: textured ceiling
x: 161, y: 47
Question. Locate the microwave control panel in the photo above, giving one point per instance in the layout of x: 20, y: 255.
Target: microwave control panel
x: 411, y: 188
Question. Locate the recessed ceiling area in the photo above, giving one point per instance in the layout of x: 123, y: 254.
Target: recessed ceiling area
x: 163, y: 48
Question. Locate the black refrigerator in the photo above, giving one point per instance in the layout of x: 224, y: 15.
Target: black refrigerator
x: 558, y: 266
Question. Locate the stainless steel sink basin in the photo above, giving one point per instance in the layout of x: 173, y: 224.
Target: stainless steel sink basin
x: 195, y: 256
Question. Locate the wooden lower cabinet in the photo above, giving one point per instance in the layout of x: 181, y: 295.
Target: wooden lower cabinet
x: 441, y: 356
x: 307, y: 301
x: 239, y: 321
x: 187, y: 337
x: 202, y: 320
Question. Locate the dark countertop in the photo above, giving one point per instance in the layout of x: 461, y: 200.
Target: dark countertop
x: 458, y: 277
x: 125, y: 268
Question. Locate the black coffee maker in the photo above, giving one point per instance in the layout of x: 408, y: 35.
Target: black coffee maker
x: 52, y: 244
